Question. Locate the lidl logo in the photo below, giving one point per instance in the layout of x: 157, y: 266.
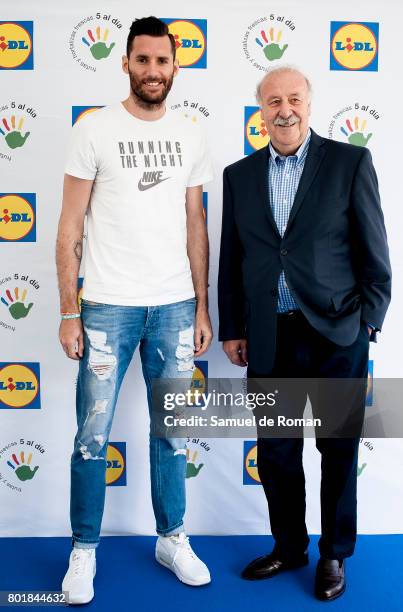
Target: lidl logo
x: 200, y: 376
x: 256, y: 136
x: 116, y: 464
x: 20, y: 385
x: 369, y: 400
x: 78, y: 112
x: 17, y: 217
x: 16, y: 45
x: 250, y: 473
x: 205, y: 202
x: 191, y: 41
x: 354, y: 46
x: 80, y: 288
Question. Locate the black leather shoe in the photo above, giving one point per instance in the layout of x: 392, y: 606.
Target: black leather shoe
x: 330, y: 581
x: 271, y: 565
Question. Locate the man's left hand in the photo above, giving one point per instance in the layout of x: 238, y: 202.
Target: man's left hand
x: 203, y: 333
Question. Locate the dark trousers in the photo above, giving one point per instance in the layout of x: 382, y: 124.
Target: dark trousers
x: 303, y: 353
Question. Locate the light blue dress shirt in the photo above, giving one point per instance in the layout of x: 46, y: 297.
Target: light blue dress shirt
x: 284, y: 176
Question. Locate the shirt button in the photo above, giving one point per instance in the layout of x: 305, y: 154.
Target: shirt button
x: 283, y: 252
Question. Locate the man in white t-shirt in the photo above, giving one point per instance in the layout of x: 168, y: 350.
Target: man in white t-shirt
x: 137, y: 170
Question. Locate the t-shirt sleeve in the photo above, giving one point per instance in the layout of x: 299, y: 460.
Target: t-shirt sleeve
x: 81, y: 160
x: 202, y: 170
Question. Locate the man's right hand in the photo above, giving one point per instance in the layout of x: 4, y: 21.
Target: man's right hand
x: 72, y: 338
x: 236, y: 351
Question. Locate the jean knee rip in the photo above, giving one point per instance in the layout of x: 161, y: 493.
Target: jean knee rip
x: 93, y: 456
x: 93, y: 434
x: 100, y: 406
x: 185, y: 350
x: 101, y: 361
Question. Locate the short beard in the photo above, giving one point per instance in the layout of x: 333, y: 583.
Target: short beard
x: 142, y: 99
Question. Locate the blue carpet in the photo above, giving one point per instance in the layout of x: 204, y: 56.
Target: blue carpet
x: 129, y: 579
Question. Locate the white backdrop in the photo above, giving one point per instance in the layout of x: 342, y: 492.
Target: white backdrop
x: 218, y: 500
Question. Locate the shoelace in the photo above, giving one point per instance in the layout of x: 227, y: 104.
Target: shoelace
x: 185, y: 545
x: 79, y: 561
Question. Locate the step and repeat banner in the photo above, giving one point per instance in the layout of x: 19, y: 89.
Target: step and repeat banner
x: 57, y: 66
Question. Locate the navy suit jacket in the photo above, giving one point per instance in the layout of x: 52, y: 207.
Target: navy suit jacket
x: 334, y: 251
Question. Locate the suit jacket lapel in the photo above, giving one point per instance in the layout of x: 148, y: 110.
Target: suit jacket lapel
x: 261, y: 168
x: 315, y: 155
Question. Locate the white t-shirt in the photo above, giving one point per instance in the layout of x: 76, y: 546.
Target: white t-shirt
x: 136, y: 221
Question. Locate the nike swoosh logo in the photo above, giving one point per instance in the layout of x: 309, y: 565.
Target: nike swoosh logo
x: 143, y: 187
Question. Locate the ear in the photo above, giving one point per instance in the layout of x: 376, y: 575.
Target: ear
x: 176, y: 67
x: 125, y: 64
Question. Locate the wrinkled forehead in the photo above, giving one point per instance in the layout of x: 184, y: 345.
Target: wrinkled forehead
x: 284, y: 83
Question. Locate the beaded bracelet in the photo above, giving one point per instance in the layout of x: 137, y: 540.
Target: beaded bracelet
x: 71, y: 315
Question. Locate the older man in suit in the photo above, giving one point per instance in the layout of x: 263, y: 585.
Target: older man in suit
x: 304, y: 285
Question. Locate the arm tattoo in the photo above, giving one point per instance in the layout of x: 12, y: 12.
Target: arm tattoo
x: 78, y: 250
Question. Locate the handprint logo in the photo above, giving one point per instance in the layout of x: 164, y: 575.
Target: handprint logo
x: 355, y: 135
x: 271, y: 49
x: 191, y: 469
x: 17, y: 309
x: 97, y: 47
x: 23, y: 471
x: 193, y: 118
x: 13, y: 136
x: 360, y: 468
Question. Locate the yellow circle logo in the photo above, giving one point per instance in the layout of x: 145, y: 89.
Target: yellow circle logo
x: 198, y: 383
x: 115, y: 464
x: 251, y: 464
x: 198, y: 380
x: 18, y: 385
x: 190, y: 42
x: 80, y: 297
x: 15, y: 45
x: 17, y: 217
x: 87, y: 111
x: 354, y: 46
x: 255, y: 131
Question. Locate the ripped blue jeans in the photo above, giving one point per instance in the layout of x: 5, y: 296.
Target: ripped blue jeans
x: 111, y: 335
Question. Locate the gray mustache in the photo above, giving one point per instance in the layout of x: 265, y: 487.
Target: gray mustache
x: 286, y: 122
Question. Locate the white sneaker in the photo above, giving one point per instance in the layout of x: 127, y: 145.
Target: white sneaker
x: 175, y: 553
x: 78, y: 581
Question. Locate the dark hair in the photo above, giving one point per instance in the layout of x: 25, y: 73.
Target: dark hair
x: 151, y: 26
